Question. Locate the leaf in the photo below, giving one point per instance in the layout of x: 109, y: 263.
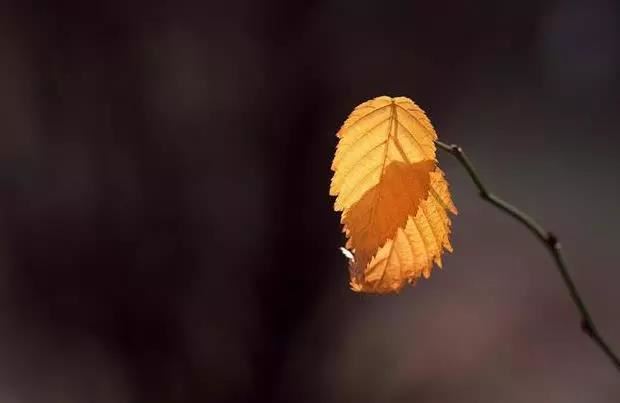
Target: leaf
x: 393, y: 197
x: 385, y: 207
x: 377, y: 133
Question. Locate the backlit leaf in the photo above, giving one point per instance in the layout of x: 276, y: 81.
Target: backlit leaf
x: 393, y: 197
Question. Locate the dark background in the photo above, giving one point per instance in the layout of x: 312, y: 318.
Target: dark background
x: 166, y: 233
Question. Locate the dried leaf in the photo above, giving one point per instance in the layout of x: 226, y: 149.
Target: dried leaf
x: 392, y: 195
x: 374, y: 218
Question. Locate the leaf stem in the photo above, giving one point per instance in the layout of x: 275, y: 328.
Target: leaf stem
x: 549, y: 240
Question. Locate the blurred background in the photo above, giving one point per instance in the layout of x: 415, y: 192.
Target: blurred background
x: 166, y: 233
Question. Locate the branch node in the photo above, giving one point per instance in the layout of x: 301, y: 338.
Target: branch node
x: 553, y: 241
x: 587, y: 327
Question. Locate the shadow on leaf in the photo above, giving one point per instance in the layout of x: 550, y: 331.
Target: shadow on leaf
x: 374, y: 219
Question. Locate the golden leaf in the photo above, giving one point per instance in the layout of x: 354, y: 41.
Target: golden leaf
x: 392, y: 195
x: 385, y: 207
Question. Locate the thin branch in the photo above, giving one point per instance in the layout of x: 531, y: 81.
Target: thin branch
x: 547, y: 238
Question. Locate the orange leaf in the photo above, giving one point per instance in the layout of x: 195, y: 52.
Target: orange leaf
x: 392, y: 195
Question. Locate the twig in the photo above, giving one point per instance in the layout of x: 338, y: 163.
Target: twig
x: 547, y: 238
